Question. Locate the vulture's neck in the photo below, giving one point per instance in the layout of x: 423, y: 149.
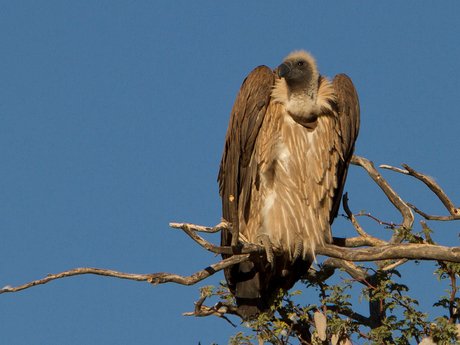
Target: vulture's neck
x: 304, y: 102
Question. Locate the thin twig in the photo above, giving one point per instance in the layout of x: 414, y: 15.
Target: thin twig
x: 389, y: 224
x: 431, y: 217
x: 352, y: 218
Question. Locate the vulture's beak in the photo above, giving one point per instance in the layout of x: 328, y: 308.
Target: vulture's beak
x: 283, y: 70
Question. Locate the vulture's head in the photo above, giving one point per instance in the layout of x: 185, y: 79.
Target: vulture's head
x: 298, y: 68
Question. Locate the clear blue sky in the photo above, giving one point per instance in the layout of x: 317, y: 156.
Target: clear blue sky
x: 112, y: 123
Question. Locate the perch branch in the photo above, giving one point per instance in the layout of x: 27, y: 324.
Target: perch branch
x: 411, y: 251
x: 341, y: 248
x: 189, y: 229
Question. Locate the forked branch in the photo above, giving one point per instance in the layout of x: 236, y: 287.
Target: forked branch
x: 434, y: 187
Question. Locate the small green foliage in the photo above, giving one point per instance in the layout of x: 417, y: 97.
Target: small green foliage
x: 397, y: 320
x: 207, y: 291
x: 240, y: 338
x: 415, y: 237
x: 443, y: 332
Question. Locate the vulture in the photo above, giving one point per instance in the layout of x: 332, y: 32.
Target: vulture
x: 288, y: 146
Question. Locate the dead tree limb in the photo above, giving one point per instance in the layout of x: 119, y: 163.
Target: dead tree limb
x: 154, y: 278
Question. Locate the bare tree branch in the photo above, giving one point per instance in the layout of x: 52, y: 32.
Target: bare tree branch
x: 389, y: 167
x: 351, y: 314
x: 408, y: 216
x: 411, y: 251
x: 161, y: 278
x: 189, y: 229
x: 429, y: 217
x: 433, y: 186
x: 199, y: 228
x: 360, y: 241
x: 354, y: 271
x: 369, y: 240
x: 219, y: 309
x: 395, y: 264
x: 381, y: 250
x: 154, y: 278
x: 352, y: 218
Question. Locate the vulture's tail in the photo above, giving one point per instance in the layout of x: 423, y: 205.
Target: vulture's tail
x: 256, y: 284
x: 250, y: 301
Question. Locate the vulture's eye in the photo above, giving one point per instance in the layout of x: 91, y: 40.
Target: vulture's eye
x: 300, y: 63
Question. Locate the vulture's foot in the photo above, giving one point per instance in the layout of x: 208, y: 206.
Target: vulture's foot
x: 298, y: 249
x: 268, y: 245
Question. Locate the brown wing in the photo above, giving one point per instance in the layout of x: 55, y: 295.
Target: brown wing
x: 245, y: 120
x: 235, y: 172
x: 347, y: 110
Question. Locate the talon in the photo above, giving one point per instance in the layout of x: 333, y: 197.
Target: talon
x: 243, y: 238
x: 268, y: 245
x: 298, y: 248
